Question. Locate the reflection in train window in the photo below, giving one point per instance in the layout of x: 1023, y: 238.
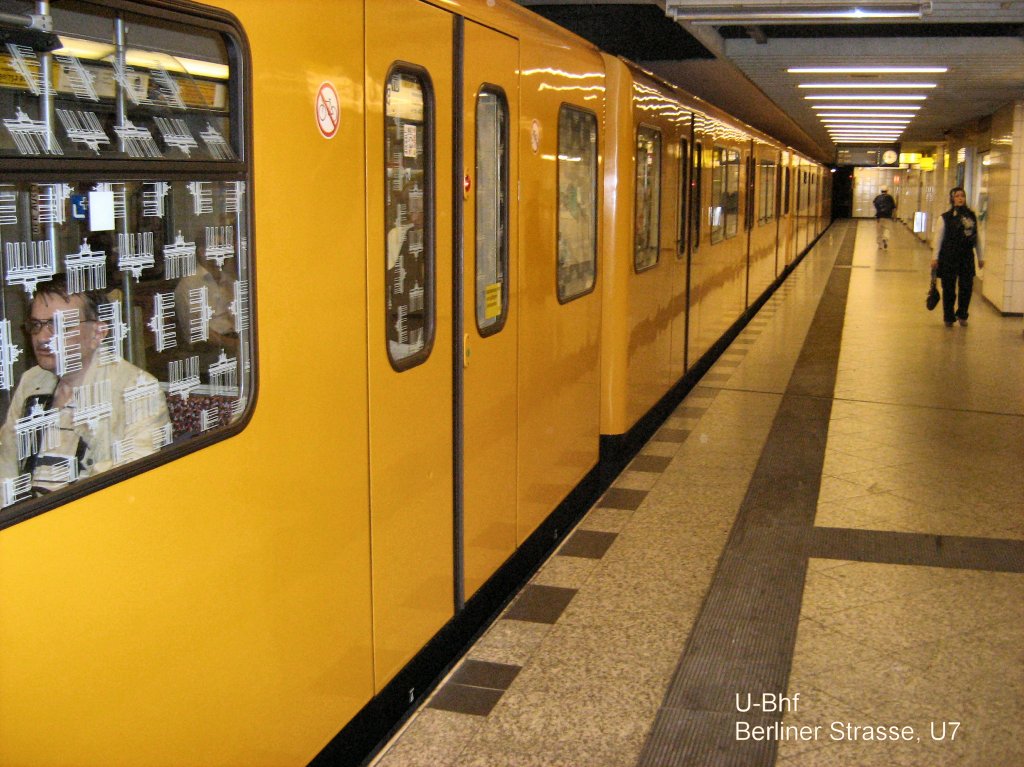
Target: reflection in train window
x: 492, y: 190
x: 647, y: 207
x: 725, y: 193
x: 408, y: 217
x: 684, y: 185
x: 126, y: 327
x: 577, y: 202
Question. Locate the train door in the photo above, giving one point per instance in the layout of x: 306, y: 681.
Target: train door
x: 490, y: 323
x: 409, y: 98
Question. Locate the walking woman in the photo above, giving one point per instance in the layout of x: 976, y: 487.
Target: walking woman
x: 953, y: 261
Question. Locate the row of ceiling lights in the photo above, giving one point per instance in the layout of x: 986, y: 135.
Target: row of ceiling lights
x: 874, y: 118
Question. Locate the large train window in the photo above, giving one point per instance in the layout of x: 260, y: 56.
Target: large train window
x: 725, y: 193
x: 786, y: 193
x: 684, y: 186
x: 492, y: 190
x: 766, y: 198
x: 577, y: 202
x: 126, y: 336
x: 408, y: 216
x: 647, y: 205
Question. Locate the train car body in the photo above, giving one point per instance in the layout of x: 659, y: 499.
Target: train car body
x: 450, y: 277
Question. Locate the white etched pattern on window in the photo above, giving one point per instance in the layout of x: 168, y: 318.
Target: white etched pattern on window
x: 223, y: 375
x: 83, y: 128
x: 124, y: 450
x: 64, y: 344
x: 32, y: 137
x: 8, y: 207
x: 9, y: 354
x: 39, y: 430
x: 142, y: 400
x: 93, y: 403
x: 86, y: 269
x: 135, y: 252
x: 26, y: 63
x: 133, y: 84
x: 183, y: 376
x: 78, y: 77
x: 202, y: 197
x: 29, y: 263
x: 234, y: 191
x: 179, y: 258
x: 112, y: 346
x: 220, y: 244
x: 51, y: 199
x: 136, y: 140
x: 176, y: 134
x: 153, y: 198
x: 239, y: 308
x: 199, y: 314
x: 17, y: 489
x: 162, y: 321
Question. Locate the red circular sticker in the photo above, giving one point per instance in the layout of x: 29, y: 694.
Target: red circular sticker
x: 328, y: 110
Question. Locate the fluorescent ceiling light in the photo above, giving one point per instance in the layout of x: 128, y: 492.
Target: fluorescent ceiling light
x: 879, y: 125
x: 867, y: 85
x: 747, y: 11
x: 849, y: 97
x: 865, y: 115
x: 867, y: 70
x: 866, y: 108
x: 860, y: 141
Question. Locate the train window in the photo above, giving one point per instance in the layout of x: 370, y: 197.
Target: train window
x: 696, y: 191
x: 492, y: 190
x: 408, y: 216
x: 647, y: 203
x: 126, y: 328
x: 725, y: 193
x: 577, y: 202
x: 766, y: 197
x: 785, y: 194
x: 684, y: 186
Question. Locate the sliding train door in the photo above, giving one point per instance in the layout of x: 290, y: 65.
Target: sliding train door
x: 490, y: 324
x: 409, y: 87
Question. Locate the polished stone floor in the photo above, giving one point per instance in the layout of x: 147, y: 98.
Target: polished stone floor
x: 831, y: 525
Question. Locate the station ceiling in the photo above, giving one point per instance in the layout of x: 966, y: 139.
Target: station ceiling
x: 742, y: 65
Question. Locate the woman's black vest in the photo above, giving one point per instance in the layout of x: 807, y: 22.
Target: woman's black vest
x: 960, y: 234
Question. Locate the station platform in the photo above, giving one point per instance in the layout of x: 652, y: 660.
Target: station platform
x: 817, y: 560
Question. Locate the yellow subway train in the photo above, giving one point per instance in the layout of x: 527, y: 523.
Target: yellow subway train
x: 321, y: 324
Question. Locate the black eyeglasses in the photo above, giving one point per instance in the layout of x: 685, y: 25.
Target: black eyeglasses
x: 34, y: 327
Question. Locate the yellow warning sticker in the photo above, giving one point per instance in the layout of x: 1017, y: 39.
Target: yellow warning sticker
x: 492, y: 300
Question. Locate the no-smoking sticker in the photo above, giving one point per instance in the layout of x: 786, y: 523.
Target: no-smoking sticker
x: 328, y: 110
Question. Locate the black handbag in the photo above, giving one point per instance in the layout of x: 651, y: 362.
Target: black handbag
x: 932, y: 299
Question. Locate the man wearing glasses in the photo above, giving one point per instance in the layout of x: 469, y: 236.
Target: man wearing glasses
x: 77, y: 412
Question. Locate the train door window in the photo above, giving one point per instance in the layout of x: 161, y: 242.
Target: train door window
x: 766, y: 197
x: 577, y: 202
x: 725, y: 179
x: 647, y: 202
x: 408, y: 216
x: 126, y: 328
x: 684, y: 188
x: 786, y: 193
x: 492, y: 190
x: 696, y: 191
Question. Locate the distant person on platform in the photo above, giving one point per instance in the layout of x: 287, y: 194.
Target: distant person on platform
x: 884, y: 207
x: 953, y: 261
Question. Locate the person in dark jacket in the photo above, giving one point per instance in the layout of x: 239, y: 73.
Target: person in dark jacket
x: 884, y: 207
x: 953, y: 261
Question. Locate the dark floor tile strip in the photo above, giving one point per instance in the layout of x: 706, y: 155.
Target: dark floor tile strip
x: 540, y: 604
x: 743, y: 638
x: 480, y: 673
x: 893, y: 548
x: 463, y: 699
x: 589, y: 544
x: 622, y: 498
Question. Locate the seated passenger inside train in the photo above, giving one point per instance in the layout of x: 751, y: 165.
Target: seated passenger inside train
x: 82, y: 409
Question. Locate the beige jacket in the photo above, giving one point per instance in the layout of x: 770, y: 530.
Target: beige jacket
x: 147, y: 417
